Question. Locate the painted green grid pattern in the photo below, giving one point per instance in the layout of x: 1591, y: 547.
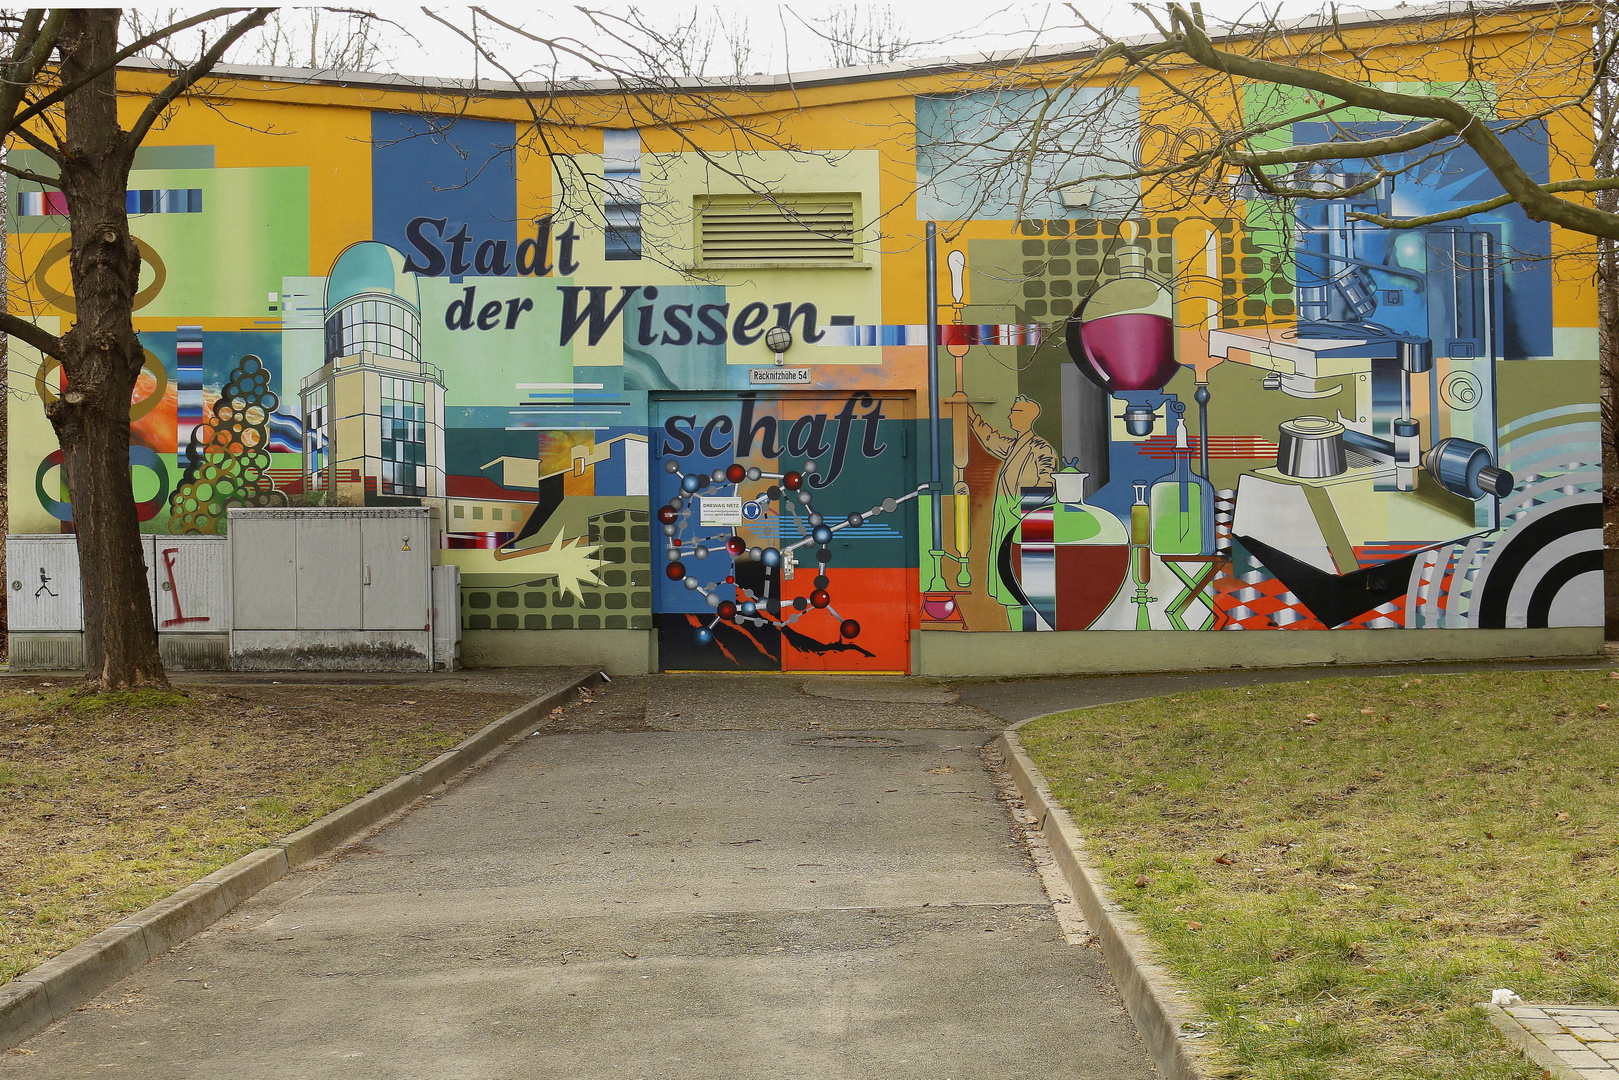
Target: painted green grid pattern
x: 623, y: 601
x: 1073, y: 258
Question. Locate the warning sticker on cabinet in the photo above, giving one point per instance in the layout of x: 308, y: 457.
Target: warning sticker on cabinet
x: 719, y: 511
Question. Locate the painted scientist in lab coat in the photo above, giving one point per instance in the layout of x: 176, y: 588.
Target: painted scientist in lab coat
x: 1027, y: 462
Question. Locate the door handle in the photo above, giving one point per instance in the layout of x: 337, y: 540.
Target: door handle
x: 367, y: 579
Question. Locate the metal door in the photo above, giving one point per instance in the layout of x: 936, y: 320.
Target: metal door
x: 397, y: 572
x: 188, y: 584
x: 264, y: 571
x: 329, y: 573
x: 42, y: 574
x: 788, y: 531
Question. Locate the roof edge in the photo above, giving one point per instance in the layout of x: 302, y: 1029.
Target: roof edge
x: 836, y: 76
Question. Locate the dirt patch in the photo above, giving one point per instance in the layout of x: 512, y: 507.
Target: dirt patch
x: 114, y: 802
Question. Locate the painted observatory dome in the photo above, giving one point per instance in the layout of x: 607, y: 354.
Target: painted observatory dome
x: 372, y: 305
x: 371, y: 268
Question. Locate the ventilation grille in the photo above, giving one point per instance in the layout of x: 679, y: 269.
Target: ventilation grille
x: 786, y: 229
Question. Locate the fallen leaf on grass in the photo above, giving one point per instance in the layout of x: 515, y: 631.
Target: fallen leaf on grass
x: 1345, y: 886
x: 1311, y: 718
x: 1222, y: 860
x: 1194, y: 925
x: 1602, y: 707
x: 1367, y: 711
x: 1141, y: 881
x: 1562, y: 815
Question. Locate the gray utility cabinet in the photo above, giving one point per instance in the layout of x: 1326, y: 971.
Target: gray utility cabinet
x: 339, y: 589
x: 187, y: 583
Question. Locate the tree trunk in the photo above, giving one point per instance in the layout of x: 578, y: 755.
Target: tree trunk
x: 101, y: 362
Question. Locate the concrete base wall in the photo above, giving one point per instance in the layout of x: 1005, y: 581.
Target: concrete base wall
x: 40, y: 651
x: 331, y: 650
x: 195, y: 652
x: 947, y: 653
x: 954, y: 654
x: 617, y: 652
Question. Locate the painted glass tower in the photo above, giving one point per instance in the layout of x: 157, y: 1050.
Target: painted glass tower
x: 374, y: 412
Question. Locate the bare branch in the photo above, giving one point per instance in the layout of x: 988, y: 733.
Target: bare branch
x: 184, y: 81
x: 49, y: 344
x: 132, y: 49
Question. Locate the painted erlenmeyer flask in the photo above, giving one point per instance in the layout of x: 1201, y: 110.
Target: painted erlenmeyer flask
x: 1182, y: 506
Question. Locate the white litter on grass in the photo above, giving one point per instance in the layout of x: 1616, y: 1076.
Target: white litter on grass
x: 1504, y: 997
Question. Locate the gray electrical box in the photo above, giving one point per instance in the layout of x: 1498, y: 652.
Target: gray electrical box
x: 185, y: 577
x: 344, y: 589
x: 446, y: 617
x: 190, y: 600
x: 42, y: 579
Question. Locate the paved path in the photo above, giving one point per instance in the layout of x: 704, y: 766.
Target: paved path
x: 688, y: 877
x: 623, y: 902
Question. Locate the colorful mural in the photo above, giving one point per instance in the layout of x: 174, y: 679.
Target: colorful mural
x: 727, y: 420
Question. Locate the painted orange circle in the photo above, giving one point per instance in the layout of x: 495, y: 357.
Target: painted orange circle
x: 64, y: 300
x: 160, y: 374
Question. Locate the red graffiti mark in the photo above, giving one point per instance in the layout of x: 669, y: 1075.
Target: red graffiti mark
x: 180, y: 617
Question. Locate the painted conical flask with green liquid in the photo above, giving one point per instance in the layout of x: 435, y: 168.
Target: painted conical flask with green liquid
x: 1182, y: 506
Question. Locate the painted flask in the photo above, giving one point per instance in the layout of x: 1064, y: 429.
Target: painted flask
x: 1182, y: 506
x: 1092, y: 552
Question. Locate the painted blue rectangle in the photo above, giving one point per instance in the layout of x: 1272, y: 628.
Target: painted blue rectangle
x: 458, y: 170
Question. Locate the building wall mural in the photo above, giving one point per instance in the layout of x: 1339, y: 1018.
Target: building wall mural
x: 1209, y: 416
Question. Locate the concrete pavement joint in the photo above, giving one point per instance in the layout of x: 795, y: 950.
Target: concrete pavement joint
x: 37, y: 998
x: 1570, y: 1042
x: 1152, y: 996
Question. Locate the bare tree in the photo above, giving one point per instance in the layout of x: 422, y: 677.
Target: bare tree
x: 59, y: 98
x: 320, y: 38
x: 859, y: 34
x: 1214, y: 134
x: 323, y: 39
x: 738, y: 43
x: 1605, y: 165
x: 687, y: 41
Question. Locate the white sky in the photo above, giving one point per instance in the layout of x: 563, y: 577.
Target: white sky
x: 780, y: 36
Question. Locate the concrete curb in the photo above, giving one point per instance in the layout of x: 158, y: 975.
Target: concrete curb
x: 36, y: 999
x: 1161, y: 1016
x: 1533, y: 1048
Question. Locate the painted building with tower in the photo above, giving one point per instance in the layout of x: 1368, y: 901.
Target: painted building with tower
x: 373, y: 413
x: 845, y: 397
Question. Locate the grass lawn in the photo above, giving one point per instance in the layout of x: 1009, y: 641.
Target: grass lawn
x: 1338, y: 869
x: 112, y: 802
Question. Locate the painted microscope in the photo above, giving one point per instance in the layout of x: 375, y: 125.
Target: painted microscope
x: 1409, y: 323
